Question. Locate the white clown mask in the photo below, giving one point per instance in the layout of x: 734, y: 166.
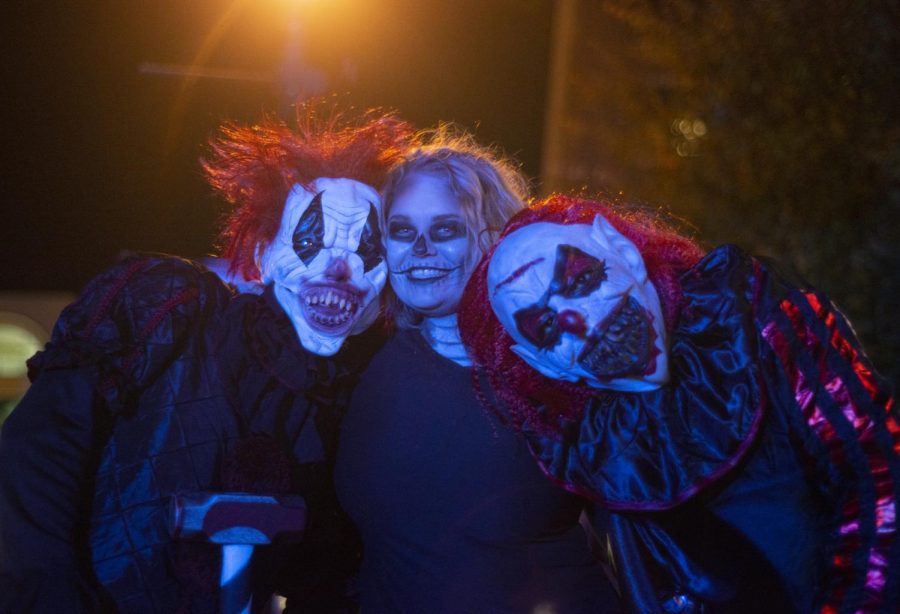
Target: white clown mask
x: 578, y: 303
x: 327, y: 262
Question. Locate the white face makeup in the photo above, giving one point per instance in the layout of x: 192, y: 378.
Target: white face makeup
x: 429, y: 253
x: 578, y: 303
x: 326, y: 262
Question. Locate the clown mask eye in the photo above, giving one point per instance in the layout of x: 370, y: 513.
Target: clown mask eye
x: 370, y: 250
x: 538, y: 325
x: 310, y: 231
x: 576, y: 273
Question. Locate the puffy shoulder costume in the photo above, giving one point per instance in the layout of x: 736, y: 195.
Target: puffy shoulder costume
x: 764, y: 475
x: 160, y: 379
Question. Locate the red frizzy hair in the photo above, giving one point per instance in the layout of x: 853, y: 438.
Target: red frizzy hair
x: 255, y: 167
x: 521, y: 394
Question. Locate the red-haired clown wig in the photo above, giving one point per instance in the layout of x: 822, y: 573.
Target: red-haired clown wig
x: 255, y: 168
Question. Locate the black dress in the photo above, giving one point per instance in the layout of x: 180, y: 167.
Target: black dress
x: 454, y: 513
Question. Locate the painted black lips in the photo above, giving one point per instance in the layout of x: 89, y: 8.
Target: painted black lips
x: 620, y: 345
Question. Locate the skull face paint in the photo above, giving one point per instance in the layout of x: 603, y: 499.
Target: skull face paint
x: 429, y: 252
x: 578, y: 303
x: 326, y: 262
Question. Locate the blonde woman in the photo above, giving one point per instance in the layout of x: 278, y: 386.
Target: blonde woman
x: 454, y: 514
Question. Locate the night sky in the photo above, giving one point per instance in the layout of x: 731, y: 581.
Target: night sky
x: 100, y: 156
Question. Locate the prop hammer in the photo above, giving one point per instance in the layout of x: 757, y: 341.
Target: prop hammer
x: 237, y: 521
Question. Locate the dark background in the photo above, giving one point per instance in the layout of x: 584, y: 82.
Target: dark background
x: 799, y: 158
x: 100, y: 157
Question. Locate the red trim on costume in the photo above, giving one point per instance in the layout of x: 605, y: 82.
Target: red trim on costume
x: 804, y: 394
x: 851, y: 355
x: 114, y: 289
x: 139, y: 342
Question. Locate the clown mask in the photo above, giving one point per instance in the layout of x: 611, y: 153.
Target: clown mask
x: 326, y: 262
x: 578, y: 303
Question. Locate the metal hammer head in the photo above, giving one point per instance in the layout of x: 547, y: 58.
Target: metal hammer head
x: 237, y: 518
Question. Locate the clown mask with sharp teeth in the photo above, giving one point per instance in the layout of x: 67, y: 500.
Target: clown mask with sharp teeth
x: 578, y: 303
x: 326, y: 262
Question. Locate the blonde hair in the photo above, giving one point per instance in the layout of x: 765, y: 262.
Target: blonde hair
x: 489, y: 187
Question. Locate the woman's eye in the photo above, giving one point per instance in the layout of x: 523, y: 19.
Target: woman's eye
x: 399, y: 232
x: 446, y: 232
x: 305, y: 243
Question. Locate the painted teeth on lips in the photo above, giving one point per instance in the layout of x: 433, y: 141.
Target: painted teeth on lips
x: 426, y: 273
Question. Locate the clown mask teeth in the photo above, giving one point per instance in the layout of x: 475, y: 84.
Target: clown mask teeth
x: 332, y: 308
x: 621, y: 344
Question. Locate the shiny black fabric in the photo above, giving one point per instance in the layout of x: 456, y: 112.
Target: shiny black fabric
x: 155, y: 380
x: 764, y: 476
x: 634, y: 451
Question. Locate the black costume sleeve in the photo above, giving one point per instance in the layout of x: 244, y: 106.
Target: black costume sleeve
x: 124, y: 329
x: 47, y: 455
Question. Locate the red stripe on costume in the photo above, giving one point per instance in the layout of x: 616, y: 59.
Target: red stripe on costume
x: 107, y: 299
x: 838, y: 390
x: 142, y: 338
x: 847, y: 350
x: 805, y: 398
x: 885, y: 512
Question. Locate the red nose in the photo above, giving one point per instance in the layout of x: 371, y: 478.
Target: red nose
x: 338, y: 270
x: 571, y: 322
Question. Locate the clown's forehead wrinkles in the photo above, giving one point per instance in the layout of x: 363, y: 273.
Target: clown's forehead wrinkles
x: 345, y: 215
x: 517, y: 273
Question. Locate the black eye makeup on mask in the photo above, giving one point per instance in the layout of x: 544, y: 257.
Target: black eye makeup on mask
x: 370, y: 248
x: 310, y: 231
x: 575, y: 274
x: 539, y: 325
